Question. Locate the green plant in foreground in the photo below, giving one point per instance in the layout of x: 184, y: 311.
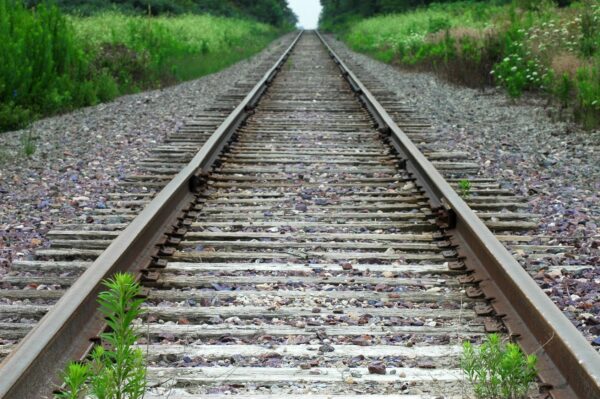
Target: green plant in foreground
x: 116, y: 369
x: 498, y: 371
x: 464, y: 187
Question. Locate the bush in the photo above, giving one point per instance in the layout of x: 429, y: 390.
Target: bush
x: 13, y: 116
x: 41, y: 64
x: 52, y: 63
x: 517, y: 74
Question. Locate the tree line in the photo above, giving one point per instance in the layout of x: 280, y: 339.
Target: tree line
x: 274, y: 12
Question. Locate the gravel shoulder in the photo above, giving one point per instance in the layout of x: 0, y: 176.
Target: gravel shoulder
x: 83, y: 155
x: 555, y: 164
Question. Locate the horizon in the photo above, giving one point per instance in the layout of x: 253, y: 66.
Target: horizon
x: 308, y: 12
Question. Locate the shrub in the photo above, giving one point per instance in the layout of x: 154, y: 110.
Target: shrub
x: 517, y: 74
x: 13, y: 116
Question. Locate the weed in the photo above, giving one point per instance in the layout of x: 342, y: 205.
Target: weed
x: 115, y: 370
x: 74, y: 379
x: 587, y: 110
x: 590, y: 34
x: 464, y: 187
x: 498, y: 371
x: 28, y: 143
x: 564, y: 89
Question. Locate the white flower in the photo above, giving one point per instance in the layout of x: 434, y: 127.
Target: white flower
x: 514, y: 69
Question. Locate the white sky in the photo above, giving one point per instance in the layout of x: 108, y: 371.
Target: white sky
x: 307, y: 11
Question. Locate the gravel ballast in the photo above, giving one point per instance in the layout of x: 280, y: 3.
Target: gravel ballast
x: 82, y: 156
x: 555, y: 164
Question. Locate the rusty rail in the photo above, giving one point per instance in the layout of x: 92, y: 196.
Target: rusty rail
x: 567, y: 363
x: 64, y: 332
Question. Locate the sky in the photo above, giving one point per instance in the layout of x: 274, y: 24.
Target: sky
x: 307, y: 11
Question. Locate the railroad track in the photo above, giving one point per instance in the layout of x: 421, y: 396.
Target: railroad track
x: 306, y: 248
x: 513, y: 225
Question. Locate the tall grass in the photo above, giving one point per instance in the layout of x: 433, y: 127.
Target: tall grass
x: 54, y: 63
x: 177, y: 48
x: 535, y: 48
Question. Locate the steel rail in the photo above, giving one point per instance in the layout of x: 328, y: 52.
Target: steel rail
x: 64, y: 333
x: 567, y: 363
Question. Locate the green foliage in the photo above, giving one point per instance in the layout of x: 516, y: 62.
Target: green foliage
x: 589, y: 42
x: 116, y: 369
x: 564, y: 89
x: 535, y: 5
x: 498, y: 371
x: 464, y: 188
x: 339, y: 15
x: 74, y: 379
x: 41, y: 64
x: 53, y: 63
x: 139, y: 50
x: 522, y: 46
x: 28, y: 143
x: 516, y: 73
x: 437, y: 24
x: 13, y: 116
x: 274, y: 12
x: 587, y: 110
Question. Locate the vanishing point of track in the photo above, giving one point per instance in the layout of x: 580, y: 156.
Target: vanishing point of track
x: 307, y: 248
